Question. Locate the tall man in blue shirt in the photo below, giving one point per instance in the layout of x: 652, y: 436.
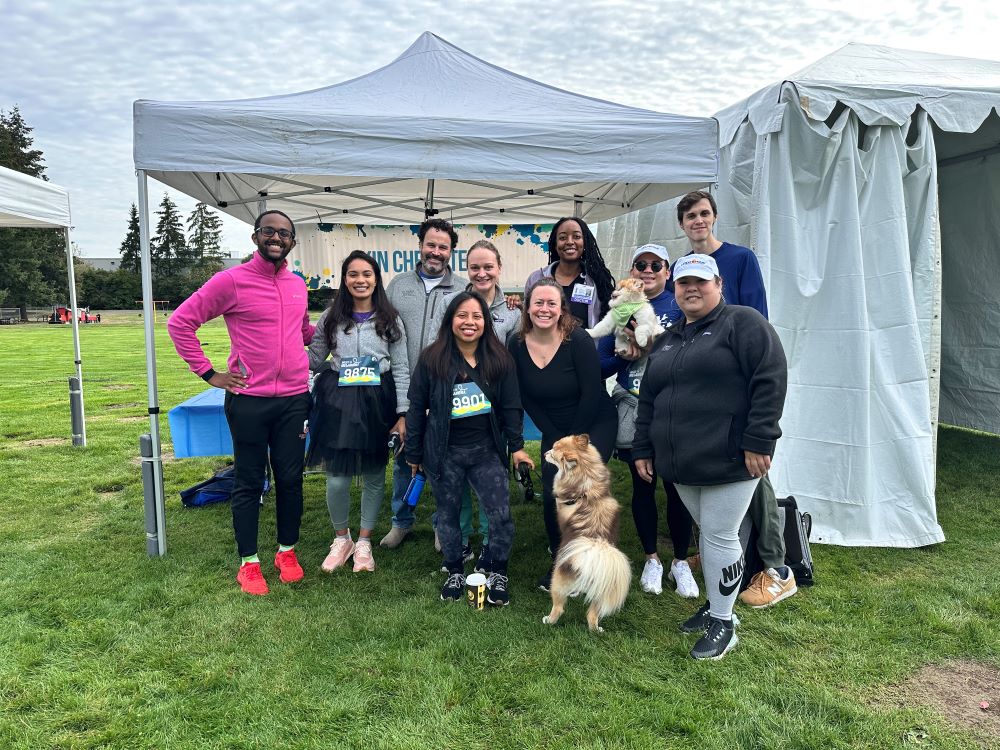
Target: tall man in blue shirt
x: 743, y: 284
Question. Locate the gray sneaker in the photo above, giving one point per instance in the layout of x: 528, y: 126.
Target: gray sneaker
x: 394, y: 538
x: 700, y: 620
x: 719, y: 640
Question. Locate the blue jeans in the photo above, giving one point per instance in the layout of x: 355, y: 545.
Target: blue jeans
x: 402, y: 514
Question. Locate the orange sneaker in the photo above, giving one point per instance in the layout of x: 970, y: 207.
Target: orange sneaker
x: 288, y: 566
x: 251, y: 580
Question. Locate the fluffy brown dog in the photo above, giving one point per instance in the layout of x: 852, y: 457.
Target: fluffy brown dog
x: 588, y: 562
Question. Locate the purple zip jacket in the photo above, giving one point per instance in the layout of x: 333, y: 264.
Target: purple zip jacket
x: 268, y: 321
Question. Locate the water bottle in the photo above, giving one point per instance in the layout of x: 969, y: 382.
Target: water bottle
x: 414, y: 489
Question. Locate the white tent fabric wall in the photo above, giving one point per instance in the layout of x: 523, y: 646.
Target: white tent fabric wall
x: 970, y: 228
x: 832, y: 178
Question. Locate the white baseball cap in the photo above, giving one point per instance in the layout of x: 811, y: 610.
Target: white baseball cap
x: 697, y: 265
x: 658, y: 250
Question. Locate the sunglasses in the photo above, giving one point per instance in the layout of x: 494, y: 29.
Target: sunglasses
x: 641, y: 265
x: 271, y: 231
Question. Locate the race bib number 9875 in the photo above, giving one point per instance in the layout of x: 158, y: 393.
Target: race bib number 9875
x: 355, y: 371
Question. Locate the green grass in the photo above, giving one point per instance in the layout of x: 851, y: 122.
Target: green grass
x: 102, y: 647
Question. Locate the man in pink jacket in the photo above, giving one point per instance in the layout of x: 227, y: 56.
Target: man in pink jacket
x: 266, y: 382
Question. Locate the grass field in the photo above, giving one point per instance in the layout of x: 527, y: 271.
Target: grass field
x: 102, y: 647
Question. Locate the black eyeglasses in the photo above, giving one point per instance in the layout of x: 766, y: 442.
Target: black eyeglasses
x: 641, y: 265
x: 271, y: 231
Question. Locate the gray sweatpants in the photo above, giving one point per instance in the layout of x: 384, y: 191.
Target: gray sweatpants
x: 719, y: 510
x: 338, y: 498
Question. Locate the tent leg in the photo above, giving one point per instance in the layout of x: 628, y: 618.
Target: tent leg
x: 578, y: 208
x: 79, y: 435
x: 429, y: 201
x: 152, y: 479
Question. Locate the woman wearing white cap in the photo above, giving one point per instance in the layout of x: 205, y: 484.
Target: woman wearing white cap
x: 709, y: 406
x: 651, y: 265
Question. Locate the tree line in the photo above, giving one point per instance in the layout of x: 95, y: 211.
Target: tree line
x: 33, y: 261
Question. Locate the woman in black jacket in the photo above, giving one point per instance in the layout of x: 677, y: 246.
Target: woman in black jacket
x: 709, y: 405
x: 465, y: 413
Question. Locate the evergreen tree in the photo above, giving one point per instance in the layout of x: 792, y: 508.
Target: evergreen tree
x: 15, y: 145
x: 205, y: 233
x: 168, y: 247
x: 130, y: 247
x: 32, y: 261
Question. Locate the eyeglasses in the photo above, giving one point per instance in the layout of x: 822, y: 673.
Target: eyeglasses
x: 641, y: 265
x: 271, y: 231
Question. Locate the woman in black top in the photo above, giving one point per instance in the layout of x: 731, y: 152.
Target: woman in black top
x: 562, y: 390
x: 464, y: 415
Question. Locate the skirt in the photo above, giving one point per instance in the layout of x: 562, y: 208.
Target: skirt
x: 349, y: 425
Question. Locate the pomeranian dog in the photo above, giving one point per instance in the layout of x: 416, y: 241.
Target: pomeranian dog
x: 628, y: 301
x: 588, y: 562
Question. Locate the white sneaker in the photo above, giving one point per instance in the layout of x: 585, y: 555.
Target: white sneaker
x: 680, y: 574
x: 652, y: 577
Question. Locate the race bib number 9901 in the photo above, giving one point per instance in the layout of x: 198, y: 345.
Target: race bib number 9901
x: 468, y: 400
x: 355, y: 371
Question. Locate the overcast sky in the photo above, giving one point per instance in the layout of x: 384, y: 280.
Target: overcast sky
x: 74, y: 68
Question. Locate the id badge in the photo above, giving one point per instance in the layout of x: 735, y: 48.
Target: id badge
x: 582, y: 293
x: 355, y: 371
x: 634, y: 376
x: 468, y: 400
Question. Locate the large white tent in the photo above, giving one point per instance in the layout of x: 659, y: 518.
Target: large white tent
x: 36, y: 204
x: 437, y: 131
x: 868, y: 184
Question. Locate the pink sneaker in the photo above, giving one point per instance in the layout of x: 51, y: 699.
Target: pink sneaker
x: 363, y: 559
x: 341, y: 549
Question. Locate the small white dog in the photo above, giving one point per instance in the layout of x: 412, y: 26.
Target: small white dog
x: 628, y: 301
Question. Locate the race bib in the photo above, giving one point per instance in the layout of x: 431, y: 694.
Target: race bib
x: 359, y: 371
x: 634, y: 376
x: 582, y: 293
x: 468, y: 400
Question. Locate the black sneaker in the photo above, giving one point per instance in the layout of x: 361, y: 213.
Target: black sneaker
x: 719, y: 639
x: 498, y: 594
x: 699, y: 621
x: 545, y: 582
x: 484, y: 562
x: 454, y: 588
x: 467, y: 553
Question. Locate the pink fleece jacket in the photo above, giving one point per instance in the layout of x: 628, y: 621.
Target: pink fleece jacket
x: 268, y: 321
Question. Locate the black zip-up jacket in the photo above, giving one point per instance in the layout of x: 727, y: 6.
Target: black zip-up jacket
x: 428, y: 420
x: 712, y: 389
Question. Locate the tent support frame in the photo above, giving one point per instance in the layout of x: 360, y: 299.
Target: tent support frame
x: 77, y: 359
x: 155, y: 459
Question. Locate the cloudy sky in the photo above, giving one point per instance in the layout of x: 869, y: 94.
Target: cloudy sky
x: 74, y: 68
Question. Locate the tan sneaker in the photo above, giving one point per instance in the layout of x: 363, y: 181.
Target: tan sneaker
x: 394, y: 538
x: 341, y: 549
x: 363, y: 559
x: 768, y: 588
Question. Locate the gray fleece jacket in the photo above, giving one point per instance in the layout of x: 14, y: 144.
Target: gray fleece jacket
x: 362, y: 340
x: 419, y: 308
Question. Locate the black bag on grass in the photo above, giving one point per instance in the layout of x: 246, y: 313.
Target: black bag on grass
x: 216, y: 490
x: 796, y: 529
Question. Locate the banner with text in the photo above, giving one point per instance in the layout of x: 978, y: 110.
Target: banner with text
x: 319, y: 253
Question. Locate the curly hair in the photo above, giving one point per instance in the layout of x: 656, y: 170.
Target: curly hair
x: 592, y: 261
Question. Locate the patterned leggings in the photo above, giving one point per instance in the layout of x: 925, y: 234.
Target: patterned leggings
x: 479, y: 465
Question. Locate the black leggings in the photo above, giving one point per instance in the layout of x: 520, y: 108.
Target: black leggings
x: 644, y: 513
x: 602, y: 436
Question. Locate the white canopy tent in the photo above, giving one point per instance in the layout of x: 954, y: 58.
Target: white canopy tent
x: 868, y: 185
x: 437, y: 131
x: 32, y: 203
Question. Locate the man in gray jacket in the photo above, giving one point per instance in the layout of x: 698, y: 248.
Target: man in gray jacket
x: 417, y: 296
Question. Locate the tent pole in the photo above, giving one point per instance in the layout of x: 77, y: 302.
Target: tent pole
x: 80, y: 440
x: 156, y: 542
x: 261, y: 203
x: 429, y: 200
x: 578, y: 208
